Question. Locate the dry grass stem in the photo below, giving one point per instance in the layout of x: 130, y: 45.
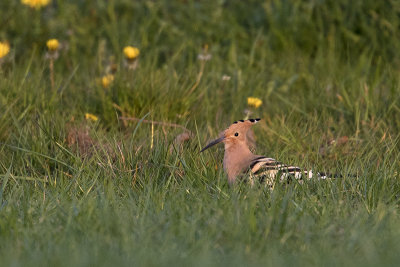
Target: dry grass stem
x: 51, y: 67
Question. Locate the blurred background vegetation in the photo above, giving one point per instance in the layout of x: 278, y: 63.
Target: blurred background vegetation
x: 76, y: 191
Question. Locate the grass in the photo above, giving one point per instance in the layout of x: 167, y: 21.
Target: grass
x: 78, y: 192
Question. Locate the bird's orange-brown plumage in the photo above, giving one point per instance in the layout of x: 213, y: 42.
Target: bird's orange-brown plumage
x: 238, y: 158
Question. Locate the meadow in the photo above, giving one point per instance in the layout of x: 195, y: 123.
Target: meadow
x: 80, y: 185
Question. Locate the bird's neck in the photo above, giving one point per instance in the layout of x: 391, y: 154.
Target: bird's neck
x: 237, y: 159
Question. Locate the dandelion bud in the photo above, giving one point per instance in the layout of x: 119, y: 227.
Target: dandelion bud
x: 131, y: 53
x: 91, y: 117
x: 4, y: 49
x: 204, y: 55
x: 254, y: 102
x: 106, y: 80
x: 35, y: 3
x: 52, y: 45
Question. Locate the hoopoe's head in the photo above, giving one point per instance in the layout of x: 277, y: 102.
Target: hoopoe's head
x: 234, y: 134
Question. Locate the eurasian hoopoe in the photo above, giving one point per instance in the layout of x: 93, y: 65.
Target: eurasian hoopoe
x: 238, y: 159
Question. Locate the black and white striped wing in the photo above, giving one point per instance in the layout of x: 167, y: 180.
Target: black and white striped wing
x: 268, y: 170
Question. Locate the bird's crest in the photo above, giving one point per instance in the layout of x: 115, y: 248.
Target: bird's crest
x: 241, y: 125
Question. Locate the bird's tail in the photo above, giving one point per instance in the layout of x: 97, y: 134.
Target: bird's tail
x: 327, y: 175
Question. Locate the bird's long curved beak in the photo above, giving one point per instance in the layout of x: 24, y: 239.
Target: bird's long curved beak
x: 212, y: 143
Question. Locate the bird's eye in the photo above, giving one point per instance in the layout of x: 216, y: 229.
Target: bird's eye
x: 236, y: 134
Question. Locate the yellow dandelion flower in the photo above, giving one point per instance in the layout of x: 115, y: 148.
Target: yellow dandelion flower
x: 4, y: 49
x: 91, y: 117
x: 52, y: 44
x: 131, y: 52
x: 254, y: 102
x: 35, y: 3
x: 106, y: 80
